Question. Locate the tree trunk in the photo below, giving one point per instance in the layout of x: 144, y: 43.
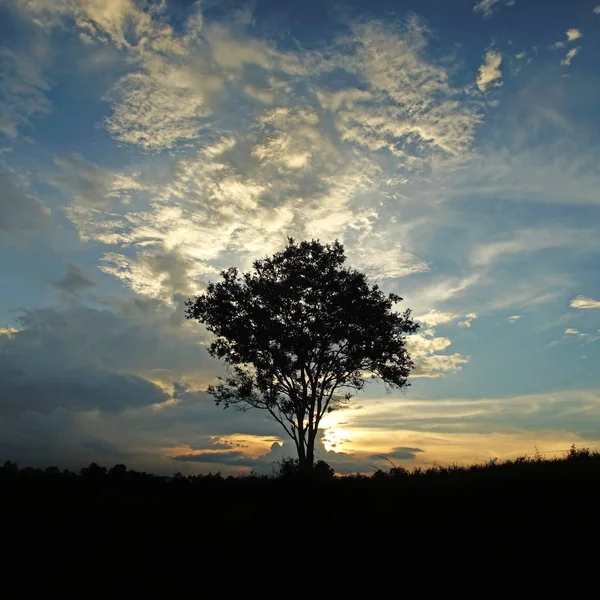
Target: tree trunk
x: 310, y: 450
x: 300, y: 449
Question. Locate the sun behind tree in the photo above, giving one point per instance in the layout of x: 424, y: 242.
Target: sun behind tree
x: 299, y: 333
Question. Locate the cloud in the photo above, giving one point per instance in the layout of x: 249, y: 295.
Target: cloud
x: 382, y: 254
x: 488, y: 7
x: 20, y: 212
x: 230, y: 457
x: 58, y: 438
x: 571, y: 54
x: 530, y: 240
x: 87, y: 185
x: 513, y: 319
x: 467, y: 322
x: 46, y: 367
x: 416, y: 104
x: 165, y: 275
x: 523, y: 168
x: 502, y: 293
x: 597, y: 10
x: 489, y: 71
x: 398, y: 453
x: 22, y: 92
x: 137, y: 336
x: 163, y: 104
x: 573, y: 34
x: 7, y: 331
x: 585, y: 303
x: 465, y: 429
x: 435, y: 317
x: 423, y: 351
x: 316, y: 164
x: 74, y: 281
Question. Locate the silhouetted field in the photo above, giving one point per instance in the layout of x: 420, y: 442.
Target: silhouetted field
x: 525, y: 506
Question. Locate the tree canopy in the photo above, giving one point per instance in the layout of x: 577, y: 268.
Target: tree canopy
x: 300, y: 333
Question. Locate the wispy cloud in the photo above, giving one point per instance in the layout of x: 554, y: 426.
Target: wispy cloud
x: 531, y: 240
x: 513, y: 318
x: 313, y: 166
x: 571, y: 54
x: 488, y: 7
x: 22, y: 92
x: 489, y: 71
x: 20, y: 211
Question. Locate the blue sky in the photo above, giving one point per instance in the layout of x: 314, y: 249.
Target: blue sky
x: 452, y: 146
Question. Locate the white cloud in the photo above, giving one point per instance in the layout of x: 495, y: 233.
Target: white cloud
x: 424, y: 350
x: 8, y: 331
x: 166, y: 275
x: 585, y: 303
x: 286, y: 171
x: 597, y: 10
x: 571, y: 54
x: 416, y: 104
x: 445, y: 288
x: 468, y: 319
x: 435, y: 317
x: 513, y: 318
x: 573, y: 34
x: 489, y: 71
x: 163, y: 104
x: 383, y: 254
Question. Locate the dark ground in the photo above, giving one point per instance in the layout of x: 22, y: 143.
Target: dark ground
x: 528, y: 512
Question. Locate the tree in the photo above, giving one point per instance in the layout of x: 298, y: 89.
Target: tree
x: 298, y: 334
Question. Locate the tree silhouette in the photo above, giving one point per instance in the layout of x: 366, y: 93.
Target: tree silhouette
x: 297, y: 332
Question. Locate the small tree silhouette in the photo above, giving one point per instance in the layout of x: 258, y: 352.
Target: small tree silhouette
x: 298, y: 334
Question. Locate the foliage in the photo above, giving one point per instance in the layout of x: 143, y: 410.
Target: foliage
x: 301, y: 333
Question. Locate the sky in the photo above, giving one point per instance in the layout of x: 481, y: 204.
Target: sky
x: 452, y: 146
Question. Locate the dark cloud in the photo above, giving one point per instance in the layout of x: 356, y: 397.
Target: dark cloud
x: 20, y: 212
x: 232, y: 457
x: 398, y: 453
x: 212, y: 443
x: 82, y: 182
x: 74, y: 281
x: 25, y: 386
x: 136, y: 342
x: 55, y: 438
